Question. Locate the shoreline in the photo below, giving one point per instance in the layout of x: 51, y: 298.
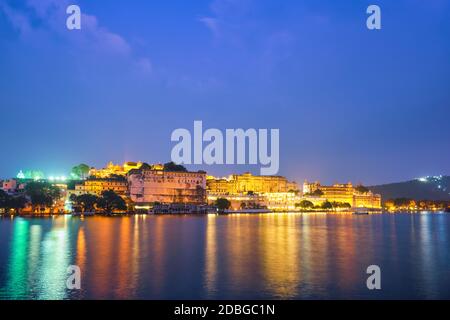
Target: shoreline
x: 112, y: 215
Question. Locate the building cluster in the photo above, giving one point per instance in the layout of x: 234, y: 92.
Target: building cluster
x: 144, y: 185
x: 278, y: 194
x: 112, y: 169
x: 151, y: 185
x: 406, y: 204
x: 341, y: 193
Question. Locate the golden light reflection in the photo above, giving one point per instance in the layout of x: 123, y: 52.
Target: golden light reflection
x: 158, y: 253
x: 103, y: 243
x: 135, y: 259
x: 123, y: 252
x: 211, y: 255
x: 239, y: 250
x: 81, y: 249
x: 279, y: 254
x: 344, y: 245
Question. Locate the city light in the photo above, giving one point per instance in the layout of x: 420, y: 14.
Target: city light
x: 20, y: 175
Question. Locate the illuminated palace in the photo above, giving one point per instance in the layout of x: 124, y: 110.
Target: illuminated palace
x: 278, y: 194
x: 247, y: 191
x: 152, y: 184
x: 343, y: 193
x: 245, y: 183
x: 112, y: 169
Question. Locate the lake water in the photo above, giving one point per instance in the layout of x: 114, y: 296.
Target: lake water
x: 267, y: 256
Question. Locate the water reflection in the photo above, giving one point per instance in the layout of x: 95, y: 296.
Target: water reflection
x: 17, y: 285
x: 211, y: 257
x: 279, y: 254
x: 33, y: 257
x: 286, y: 256
x: 55, y: 260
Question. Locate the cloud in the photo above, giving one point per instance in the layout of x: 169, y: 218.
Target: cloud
x: 225, y: 15
x: 248, y: 26
x: 212, y: 24
x: 18, y: 20
x: 31, y: 17
x: 144, y: 65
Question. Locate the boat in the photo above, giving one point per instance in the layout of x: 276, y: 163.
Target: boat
x: 178, y: 208
x: 361, y: 212
x: 84, y: 214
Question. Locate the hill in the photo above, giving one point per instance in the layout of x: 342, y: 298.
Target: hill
x: 427, y: 188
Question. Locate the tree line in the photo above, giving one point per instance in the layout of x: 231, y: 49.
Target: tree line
x: 326, y: 205
x: 40, y: 195
x: 107, y: 202
x: 43, y: 195
x: 408, y: 203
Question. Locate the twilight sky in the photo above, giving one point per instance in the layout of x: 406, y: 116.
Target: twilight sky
x: 351, y: 104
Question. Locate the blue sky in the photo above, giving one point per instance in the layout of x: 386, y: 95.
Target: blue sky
x: 351, y: 104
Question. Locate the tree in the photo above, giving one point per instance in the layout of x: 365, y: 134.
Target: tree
x: 337, y: 204
x: 42, y: 194
x: 17, y: 203
x: 111, y: 201
x: 86, y: 202
x: 4, y: 201
x: 403, y: 202
x: 172, y: 166
x: 222, y: 204
x: 327, y: 205
x: 72, y: 183
x: 318, y: 193
x: 305, y: 204
x: 346, y: 205
x: 145, y: 166
x: 80, y: 171
x: 315, y: 193
x: 361, y: 189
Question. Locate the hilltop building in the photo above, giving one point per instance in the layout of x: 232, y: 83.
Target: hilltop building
x: 112, y: 169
